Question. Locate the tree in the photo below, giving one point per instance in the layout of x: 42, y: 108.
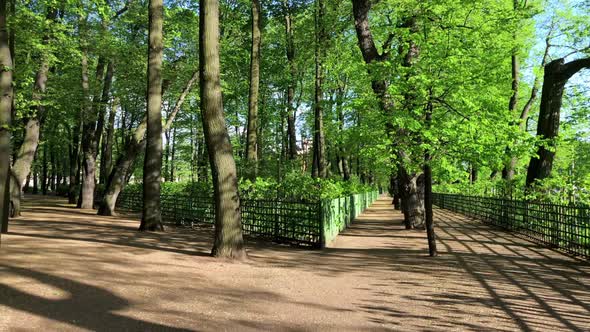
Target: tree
x: 319, y: 167
x: 26, y: 153
x: 252, y: 135
x: 228, y: 240
x: 6, y: 102
x: 152, y: 214
x: 557, y: 74
x: 291, y: 110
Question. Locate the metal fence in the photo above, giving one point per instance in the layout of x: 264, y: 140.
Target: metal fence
x: 558, y: 226
x: 298, y: 223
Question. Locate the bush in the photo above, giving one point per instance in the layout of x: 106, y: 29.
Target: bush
x: 294, y: 186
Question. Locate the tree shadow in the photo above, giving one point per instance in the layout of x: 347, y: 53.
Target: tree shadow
x: 85, y: 306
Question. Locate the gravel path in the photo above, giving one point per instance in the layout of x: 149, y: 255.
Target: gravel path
x: 69, y: 270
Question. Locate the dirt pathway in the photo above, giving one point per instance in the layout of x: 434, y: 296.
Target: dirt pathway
x: 65, y: 269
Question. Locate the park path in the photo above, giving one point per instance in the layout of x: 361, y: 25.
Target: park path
x: 69, y: 270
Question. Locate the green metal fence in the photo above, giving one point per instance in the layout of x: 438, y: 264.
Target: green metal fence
x: 310, y: 224
x: 559, y: 226
x: 339, y: 213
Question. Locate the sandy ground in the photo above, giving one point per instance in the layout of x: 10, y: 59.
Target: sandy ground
x: 63, y: 269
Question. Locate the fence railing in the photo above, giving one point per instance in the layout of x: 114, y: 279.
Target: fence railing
x: 558, y: 226
x: 312, y: 224
x: 339, y: 213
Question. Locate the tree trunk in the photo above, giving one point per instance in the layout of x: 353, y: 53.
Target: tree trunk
x: 412, y: 195
x: 557, y: 73
x: 473, y: 173
x: 6, y: 102
x: 167, y: 156
x: 429, y: 220
x: 53, y: 164
x: 152, y: 214
x: 35, y: 183
x: 228, y: 240
x: 74, y: 163
x: 44, y: 172
x: 342, y: 158
x: 319, y: 168
x: 252, y: 135
x: 106, y: 164
x: 428, y: 214
x: 89, y: 117
x: 173, y: 156
x: 291, y: 111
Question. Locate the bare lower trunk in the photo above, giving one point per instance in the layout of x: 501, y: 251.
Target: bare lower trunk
x: 118, y: 177
x: 106, y: 164
x: 228, y: 241
x: 152, y: 213
x: 252, y: 135
x: 319, y: 168
x: 291, y: 111
x: 412, y: 196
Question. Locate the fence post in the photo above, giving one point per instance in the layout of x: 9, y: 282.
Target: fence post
x: 277, y: 220
x: 322, y: 225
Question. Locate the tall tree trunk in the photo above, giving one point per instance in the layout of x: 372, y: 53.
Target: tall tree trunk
x: 508, y: 171
x: 342, y: 158
x: 44, y: 178
x: 252, y: 135
x: 104, y: 102
x: 429, y: 218
x: 53, y: 164
x: 106, y: 164
x: 74, y: 162
x: 167, y: 156
x: 172, y: 156
x: 410, y: 189
x: 557, y: 73
x: 6, y: 102
x: 152, y: 214
x: 89, y: 117
x: 35, y: 182
x: 319, y: 168
x: 228, y: 240
x: 291, y: 110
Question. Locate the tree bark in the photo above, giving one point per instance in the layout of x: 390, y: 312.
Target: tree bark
x: 557, y: 73
x: 252, y: 135
x: 173, y: 156
x: 74, y: 161
x: 152, y: 214
x: 319, y: 167
x: 291, y: 110
x: 428, y: 213
x: 44, y: 178
x: 228, y: 241
x: 6, y: 102
x: 89, y: 116
x: 343, y: 159
x: 106, y: 164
